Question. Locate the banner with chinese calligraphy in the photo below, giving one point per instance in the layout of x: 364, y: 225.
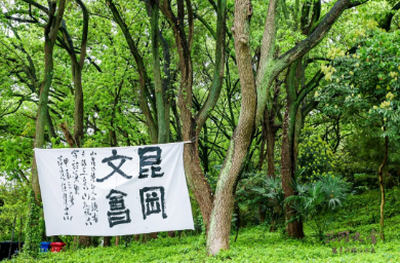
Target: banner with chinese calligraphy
x: 114, y: 191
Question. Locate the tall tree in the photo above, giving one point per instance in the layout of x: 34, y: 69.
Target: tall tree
x: 271, y: 66
x: 50, y: 37
x: 193, y: 123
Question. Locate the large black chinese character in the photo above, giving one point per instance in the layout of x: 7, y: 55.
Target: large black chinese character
x: 109, y: 161
x: 152, y: 201
x: 152, y: 160
x: 118, y: 214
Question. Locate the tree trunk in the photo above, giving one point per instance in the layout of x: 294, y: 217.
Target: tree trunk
x: 162, y: 121
x: 220, y: 223
x: 197, y: 182
x: 382, y: 187
x: 107, y: 241
x: 262, y: 210
x: 12, y: 238
x: 294, y: 228
x: 144, y: 80
x: 85, y: 241
x: 50, y: 36
x: 41, y: 118
x: 78, y: 114
x: 271, y: 131
x: 192, y: 125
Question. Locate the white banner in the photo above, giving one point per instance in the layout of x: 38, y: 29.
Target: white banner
x: 114, y: 191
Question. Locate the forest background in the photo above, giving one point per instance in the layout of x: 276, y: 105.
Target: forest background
x: 290, y: 105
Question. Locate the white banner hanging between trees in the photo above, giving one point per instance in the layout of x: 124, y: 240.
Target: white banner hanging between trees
x: 114, y: 191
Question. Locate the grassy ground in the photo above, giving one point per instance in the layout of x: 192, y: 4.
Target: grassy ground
x: 257, y: 244
x: 253, y: 245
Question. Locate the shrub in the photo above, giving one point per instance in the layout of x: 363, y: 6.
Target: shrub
x: 317, y: 202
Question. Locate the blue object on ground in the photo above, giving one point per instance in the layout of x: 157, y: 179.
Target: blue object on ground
x: 44, y: 246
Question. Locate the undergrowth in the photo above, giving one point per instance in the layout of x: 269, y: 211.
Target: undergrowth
x: 257, y: 244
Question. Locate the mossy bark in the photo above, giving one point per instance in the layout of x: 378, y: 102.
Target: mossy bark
x: 220, y: 222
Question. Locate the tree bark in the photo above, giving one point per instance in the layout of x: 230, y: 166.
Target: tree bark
x: 161, y: 97
x: 107, y: 241
x: 294, y: 228
x: 220, y: 223
x: 382, y: 187
x: 192, y: 125
x: 50, y: 34
x: 270, y: 67
x: 271, y: 130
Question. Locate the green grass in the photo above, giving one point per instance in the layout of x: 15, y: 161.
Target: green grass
x: 254, y: 244
x: 257, y: 244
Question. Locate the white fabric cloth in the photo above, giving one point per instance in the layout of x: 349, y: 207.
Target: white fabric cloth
x: 114, y: 191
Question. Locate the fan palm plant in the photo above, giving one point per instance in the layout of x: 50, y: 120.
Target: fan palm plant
x: 317, y: 202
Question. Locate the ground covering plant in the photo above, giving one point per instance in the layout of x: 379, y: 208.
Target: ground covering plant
x: 258, y: 244
x: 255, y: 244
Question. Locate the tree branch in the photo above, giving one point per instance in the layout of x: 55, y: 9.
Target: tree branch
x: 84, y: 32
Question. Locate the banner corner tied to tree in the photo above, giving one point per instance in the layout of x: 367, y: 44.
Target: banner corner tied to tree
x: 114, y: 191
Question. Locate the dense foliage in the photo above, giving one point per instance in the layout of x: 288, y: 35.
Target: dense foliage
x: 292, y: 108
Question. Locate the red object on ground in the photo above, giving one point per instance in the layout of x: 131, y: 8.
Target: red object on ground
x: 57, y: 246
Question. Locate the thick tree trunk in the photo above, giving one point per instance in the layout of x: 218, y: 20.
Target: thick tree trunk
x: 192, y: 125
x: 197, y: 182
x: 220, y: 223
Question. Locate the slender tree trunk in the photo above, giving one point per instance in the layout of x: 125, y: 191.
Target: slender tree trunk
x: 50, y: 36
x: 12, y: 238
x: 107, y: 241
x: 162, y: 121
x: 382, y: 187
x: 78, y: 114
x: 297, y: 131
x: 294, y: 228
x: 271, y: 131
x: 117, y: 241
x: 41, y: 118
x: 20, y: 233
x: 262, y: 210
x: 144, y: 80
